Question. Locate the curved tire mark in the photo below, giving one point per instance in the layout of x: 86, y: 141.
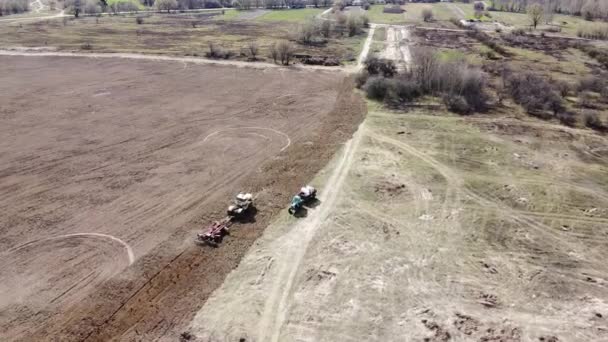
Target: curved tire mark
x: 128, y: 248
x: 253, y: 127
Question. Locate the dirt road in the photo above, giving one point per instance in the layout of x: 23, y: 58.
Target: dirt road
x: 398, y: 46
x: 106, y: 179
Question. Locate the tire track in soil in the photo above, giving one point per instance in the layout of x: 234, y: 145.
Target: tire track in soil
x: 544, y: 231
x: 159, y: 295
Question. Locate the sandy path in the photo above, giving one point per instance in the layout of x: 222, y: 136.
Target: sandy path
x: 397, y: 46
x: 365, y: 49
x: 194, y: 60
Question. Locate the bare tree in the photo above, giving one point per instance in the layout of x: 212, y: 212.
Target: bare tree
x: 425, y: 64
x: 166, y: 5
x: 535, y: 14
x: 77, y: 8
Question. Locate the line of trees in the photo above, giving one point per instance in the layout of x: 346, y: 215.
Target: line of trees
x: 589, y: 9
x: 13, y: 6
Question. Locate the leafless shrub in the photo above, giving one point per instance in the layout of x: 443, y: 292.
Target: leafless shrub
x: 308, y: 32
x: 274, y: 52
x: 567, y: 118
x: 593, y: 121
x: 217, y: 52
x: 457, y: 104
x: 253, y: 50
x: 564, y: 88
x: 325, y: 28
x: 380, y: 66
x: 285, y: 52
x: 536, y: 94
x: 353, y: 25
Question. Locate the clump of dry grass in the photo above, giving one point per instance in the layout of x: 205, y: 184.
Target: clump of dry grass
x: 593, y: 31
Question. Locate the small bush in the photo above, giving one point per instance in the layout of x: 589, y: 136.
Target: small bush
x: 325, y: 28
x: 353, y: 25
x: 91, y: 7
x: 604, y: 94
x: 457, y: 104
x: 564, y: 88
x: 597, y: 53
x: 306, y: 33
x: 593, y: 121
x: 361, y: 79
x: 402, y: 90
x: 567, y: 118
x: 274, y: 52
x: 86, y: 46
x: 489, y: 54
x: 139, y: 20
x: 593, y: 83
x: 455, y: 21
x: 285, y: 52
x: 380, y: 66
x: 518, y: 32
x: 586, y: 99
x: 427, y: 14
x: 364, y: 20
x: 253, y: 50
x: 217, y: 52
x: 536, y: 94
x: 377, y: 88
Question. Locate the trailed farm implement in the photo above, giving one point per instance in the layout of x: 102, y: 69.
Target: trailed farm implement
x: 215, y: 232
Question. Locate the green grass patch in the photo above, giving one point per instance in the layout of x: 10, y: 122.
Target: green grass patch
x: 228, y: 15
x: 291, y: 15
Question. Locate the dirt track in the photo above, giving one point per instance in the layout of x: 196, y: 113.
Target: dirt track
x: 109, y: 167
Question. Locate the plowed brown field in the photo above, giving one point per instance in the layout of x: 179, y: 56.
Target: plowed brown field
x: 108, y: 168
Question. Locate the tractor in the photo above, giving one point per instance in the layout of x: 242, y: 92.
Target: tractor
x: 306, y: 195
x: 214, y: 233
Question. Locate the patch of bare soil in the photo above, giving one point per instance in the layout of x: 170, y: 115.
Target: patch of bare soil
x: 109, y: 167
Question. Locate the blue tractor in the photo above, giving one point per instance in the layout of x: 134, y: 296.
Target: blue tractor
x: 306, y: 195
